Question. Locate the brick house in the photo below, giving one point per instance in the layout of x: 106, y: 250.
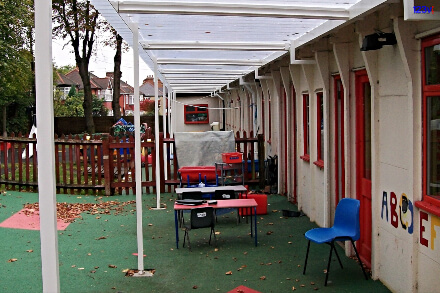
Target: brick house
x: 103, y: 88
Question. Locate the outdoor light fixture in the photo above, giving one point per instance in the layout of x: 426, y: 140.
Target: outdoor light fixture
x: 377, y: 40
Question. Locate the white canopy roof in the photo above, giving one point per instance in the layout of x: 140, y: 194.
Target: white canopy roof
x: 201, y: 45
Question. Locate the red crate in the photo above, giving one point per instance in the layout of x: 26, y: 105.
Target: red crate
x: 261, y: 200
x: 232, y: 158
x: 194, y: 171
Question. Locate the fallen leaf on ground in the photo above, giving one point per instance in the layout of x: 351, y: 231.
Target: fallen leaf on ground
x: 293, y: 288
x: 29, y: 250
x: 229, y: 273
x: 263, y: 278
x: 68, y: 212
x: 12, y: 260
x: 112, y: 266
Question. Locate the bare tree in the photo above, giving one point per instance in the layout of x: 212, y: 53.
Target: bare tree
x: 78, y: 21
x: 117, y: 79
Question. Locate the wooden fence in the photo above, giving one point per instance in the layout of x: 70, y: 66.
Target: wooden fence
x: 105, y: 165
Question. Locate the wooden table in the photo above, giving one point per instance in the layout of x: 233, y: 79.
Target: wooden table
x: 221, y: 204
x: 212, y: 189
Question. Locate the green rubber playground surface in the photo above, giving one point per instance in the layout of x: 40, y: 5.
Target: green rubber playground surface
x: 96, y: 250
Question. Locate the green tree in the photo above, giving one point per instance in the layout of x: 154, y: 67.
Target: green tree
x: 65, y: 69
x: 71, y: 106
x: 15, y: 63
x: 79, y: 22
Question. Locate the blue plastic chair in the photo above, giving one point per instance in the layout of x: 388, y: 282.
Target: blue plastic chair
x: 345, y: 228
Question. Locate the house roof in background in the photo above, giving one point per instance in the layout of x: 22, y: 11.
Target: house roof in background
x: 102, y: 83
x: 147, y: 89
x: 64, y: 81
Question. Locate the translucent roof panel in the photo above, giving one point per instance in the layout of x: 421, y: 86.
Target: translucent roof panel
x: 222, y: 40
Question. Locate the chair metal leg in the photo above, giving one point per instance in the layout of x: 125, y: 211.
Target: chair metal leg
x: 337, y: 254
x: 215, y: 238
x: 307, y: 256
x: 184, y: 238
x: 332, y: 246
x: 360, y: 262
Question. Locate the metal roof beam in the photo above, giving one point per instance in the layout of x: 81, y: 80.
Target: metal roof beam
x: 208, y: 77
x: 207, y: 71
x: 233, y: 46
x: 189, y: 61
x: 280, y: 10
x: 192, y: 82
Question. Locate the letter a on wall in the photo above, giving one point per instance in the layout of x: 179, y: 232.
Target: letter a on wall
x: 384, y: 205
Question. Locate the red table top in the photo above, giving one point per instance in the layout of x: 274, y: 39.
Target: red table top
x: 221, y: 204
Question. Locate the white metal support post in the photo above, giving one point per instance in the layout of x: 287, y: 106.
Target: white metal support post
x: 137, y: 151
x: 46, y: 147
x: 164, y: 128
x: 156, y: 132
x: 170, y: 100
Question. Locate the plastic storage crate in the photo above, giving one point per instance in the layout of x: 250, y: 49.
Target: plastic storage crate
x: 194, y: 171
x: 232, y: 158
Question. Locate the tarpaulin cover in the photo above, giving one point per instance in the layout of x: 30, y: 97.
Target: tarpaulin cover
x: 203, y: 148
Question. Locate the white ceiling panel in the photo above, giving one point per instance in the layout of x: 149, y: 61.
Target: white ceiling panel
x: 219, y: 41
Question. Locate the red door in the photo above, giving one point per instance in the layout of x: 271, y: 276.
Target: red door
x: 363, y: 162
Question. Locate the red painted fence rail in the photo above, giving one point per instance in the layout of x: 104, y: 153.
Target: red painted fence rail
x: 104, y: 164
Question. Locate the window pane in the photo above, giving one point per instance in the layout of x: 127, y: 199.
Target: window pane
x: 321, y: 100
x: 308, y: 124
x: 339, y: 143
x: 367, y: 131
x: 190, y: 108
x: 433, y: 145
x: 432, y: 64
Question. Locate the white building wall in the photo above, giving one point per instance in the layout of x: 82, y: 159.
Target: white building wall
x: 305, y: 188
x: 214, y: 114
